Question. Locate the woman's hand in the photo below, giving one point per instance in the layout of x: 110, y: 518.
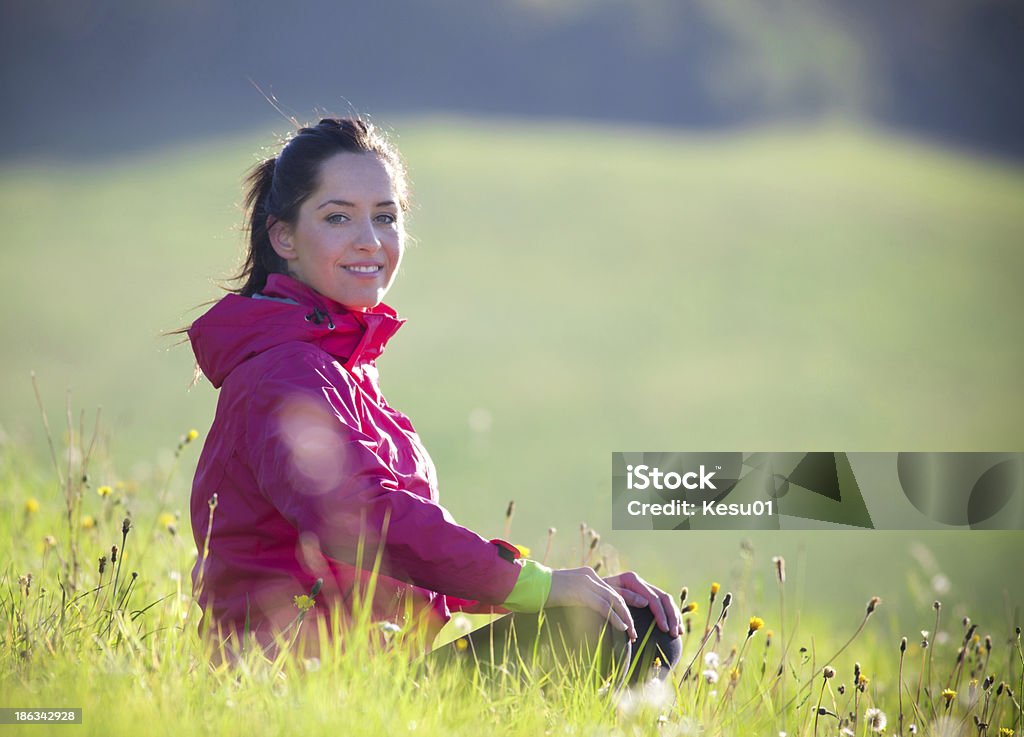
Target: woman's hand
x: 583, y: 587
x: 639, y: 593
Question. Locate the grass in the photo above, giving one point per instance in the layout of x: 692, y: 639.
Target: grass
x: 574, y: 291
x: 124, y: 648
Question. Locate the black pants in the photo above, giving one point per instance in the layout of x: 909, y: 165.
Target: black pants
x: 564, y: 634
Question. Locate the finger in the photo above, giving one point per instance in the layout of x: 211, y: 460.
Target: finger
x: 675, y: 619
x: 604, y: 607
x: 656, y: 605
x: 633, y: 598
x: 621, y: 609
x: 658, y: 610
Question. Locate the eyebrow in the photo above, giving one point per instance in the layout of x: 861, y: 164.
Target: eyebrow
x: 346, y: 203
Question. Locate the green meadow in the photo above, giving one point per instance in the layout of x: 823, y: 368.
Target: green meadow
x: 571, y: 290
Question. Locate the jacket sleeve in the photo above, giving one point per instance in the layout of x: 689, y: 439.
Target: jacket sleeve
x: 328, y: 479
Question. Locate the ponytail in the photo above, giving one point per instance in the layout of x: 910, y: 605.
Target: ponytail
x: 260, y: 260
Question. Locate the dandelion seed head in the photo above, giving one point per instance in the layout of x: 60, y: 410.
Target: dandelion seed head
x: 49, y: 541
x: 711, y: 659
x: 711, y: 676
x: 875, y: 719
x: 461, y: 624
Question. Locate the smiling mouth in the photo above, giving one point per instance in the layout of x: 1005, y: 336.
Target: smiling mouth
x: 363, y: 269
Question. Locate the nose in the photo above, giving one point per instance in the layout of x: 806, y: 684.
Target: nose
x: 366, y: 238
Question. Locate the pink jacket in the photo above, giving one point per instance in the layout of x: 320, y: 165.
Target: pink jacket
x: 306, y: 458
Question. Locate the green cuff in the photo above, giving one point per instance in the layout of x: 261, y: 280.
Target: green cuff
x: 532, y: 587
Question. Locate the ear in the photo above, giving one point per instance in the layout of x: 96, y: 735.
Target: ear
x: 280, y: 235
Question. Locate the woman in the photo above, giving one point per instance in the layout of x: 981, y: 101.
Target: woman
x: 314, y: 473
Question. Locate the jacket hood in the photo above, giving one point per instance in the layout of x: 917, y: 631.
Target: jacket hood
x: 238, y: 328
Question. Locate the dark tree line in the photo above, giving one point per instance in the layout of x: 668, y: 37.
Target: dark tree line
x: 92, y: 76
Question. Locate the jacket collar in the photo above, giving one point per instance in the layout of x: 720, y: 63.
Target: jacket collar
x: 237, y: 328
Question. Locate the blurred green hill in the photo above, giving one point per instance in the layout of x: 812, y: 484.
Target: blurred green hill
x: 573, y: 290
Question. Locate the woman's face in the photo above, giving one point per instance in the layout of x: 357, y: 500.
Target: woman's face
x: 348, y: 239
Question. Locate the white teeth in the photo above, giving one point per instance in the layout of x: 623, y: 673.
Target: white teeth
x: 363, y: 269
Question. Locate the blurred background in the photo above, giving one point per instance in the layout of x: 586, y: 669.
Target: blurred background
x: 728, y: 225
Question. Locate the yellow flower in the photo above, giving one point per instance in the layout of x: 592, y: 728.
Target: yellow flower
x: 948, y: 694
x: 1005, y: 732
x: 715, y: 587
x: 523, y: 550
x: 304, y: 603
x: 167, y: 519
x: 191, y: 435
x: 104, y: 491
x: 31, y: 505
x: 734, y: 674
x: 756, y: 623
x: 88, y: 522
x: 461, y: 644
x: 863, y: 680
x: 691, y: 607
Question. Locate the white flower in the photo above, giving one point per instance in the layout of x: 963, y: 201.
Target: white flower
x: 875, y: 719
x: 711, y: 659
